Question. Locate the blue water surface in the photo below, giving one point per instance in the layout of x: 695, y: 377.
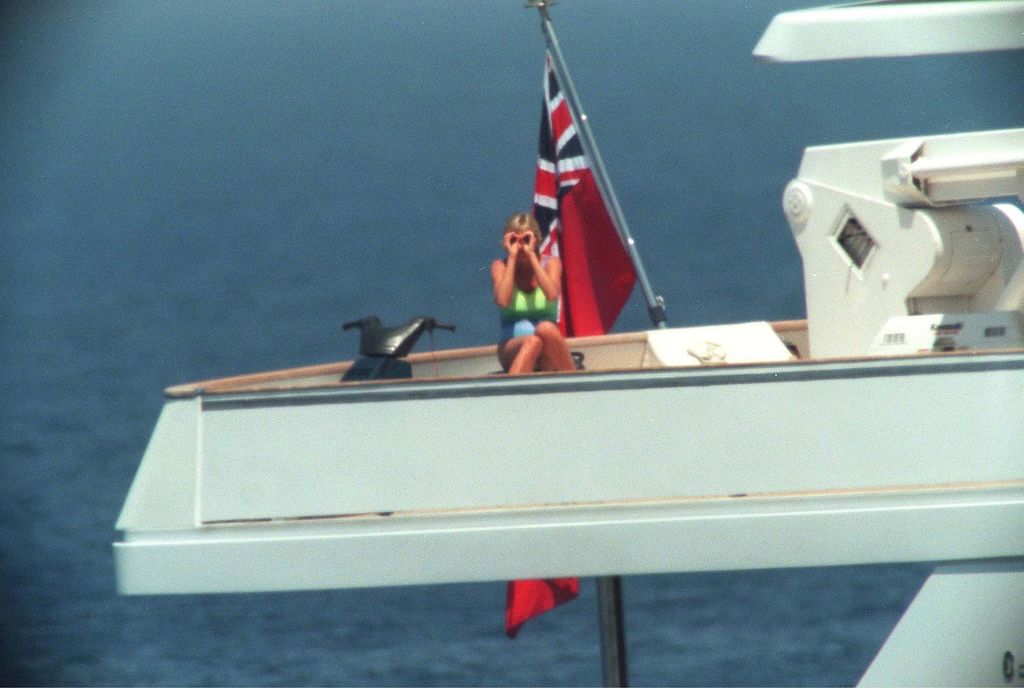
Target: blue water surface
x: 194, y: 189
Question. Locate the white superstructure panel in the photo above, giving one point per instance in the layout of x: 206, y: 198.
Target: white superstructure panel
x: 893, y: 29
x: 736, y: 533
x: 964, y: 628
x: 499, y: 442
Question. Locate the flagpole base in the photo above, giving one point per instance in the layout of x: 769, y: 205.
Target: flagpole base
x: 657, y: 312
x: 613, y: 637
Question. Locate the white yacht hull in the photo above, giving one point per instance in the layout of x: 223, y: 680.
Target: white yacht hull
x: 292, y: 480
x: 776, y: 465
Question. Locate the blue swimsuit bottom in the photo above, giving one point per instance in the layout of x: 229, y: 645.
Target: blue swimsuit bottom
x: 510, y: 329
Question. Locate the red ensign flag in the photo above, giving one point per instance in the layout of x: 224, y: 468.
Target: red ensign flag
x: 597, y: 278
x: 598, y: 275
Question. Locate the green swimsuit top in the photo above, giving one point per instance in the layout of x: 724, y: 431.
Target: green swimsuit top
x: 532, y: 305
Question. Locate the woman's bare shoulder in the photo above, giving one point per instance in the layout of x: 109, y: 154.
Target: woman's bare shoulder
x: 552, y: 263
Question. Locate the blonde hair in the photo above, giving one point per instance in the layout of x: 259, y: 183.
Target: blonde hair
x: 523, y: 222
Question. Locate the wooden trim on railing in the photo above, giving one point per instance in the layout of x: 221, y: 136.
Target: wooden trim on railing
x: 241, y: 382
x: 789, y: 325
x: 220, y: 385
x: 252, y: 382
x: 225, y: 383
x: 452, y: 354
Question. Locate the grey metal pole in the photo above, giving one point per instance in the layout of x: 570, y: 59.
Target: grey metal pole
x: 655, y: 304
x: 613, y: 636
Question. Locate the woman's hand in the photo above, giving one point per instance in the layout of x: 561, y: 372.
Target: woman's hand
x: 528, y: 241
x: 512, y: 244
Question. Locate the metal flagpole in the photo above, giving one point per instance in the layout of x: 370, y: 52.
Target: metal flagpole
x: 609, y: 588
x: 655, y: 304
x: 613, y: 634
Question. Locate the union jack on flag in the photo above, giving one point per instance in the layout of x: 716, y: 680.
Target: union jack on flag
x: 560, y: 160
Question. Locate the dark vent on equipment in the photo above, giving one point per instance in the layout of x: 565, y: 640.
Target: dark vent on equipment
x: 855, y: 240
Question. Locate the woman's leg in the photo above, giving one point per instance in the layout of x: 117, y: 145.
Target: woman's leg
x: 519, y: 354
x: 555, y: 354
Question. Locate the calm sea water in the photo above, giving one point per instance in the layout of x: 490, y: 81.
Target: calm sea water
x: 193, y: 190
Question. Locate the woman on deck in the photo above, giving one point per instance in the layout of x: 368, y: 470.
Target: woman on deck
x: 526, y: 289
